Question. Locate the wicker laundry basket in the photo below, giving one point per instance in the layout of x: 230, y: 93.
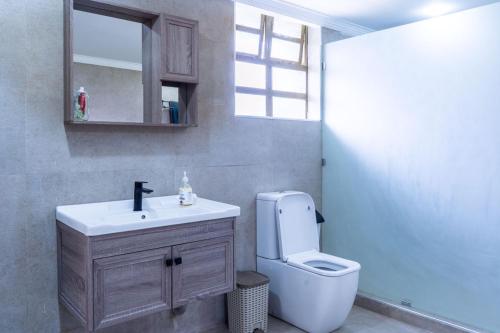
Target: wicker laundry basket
x: 247, y: 304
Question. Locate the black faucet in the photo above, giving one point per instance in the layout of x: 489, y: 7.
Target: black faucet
x: 138, y: 191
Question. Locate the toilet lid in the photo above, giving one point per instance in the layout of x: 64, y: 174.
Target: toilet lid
x: 297, y: 230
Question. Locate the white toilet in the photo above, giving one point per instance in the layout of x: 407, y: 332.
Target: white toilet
x: 309, y: 289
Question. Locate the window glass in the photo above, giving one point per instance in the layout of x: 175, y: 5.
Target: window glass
x: 286, y: 27
x: 289, y: 80
x: 247, y: 43
x: 247, y: 16
x: 289, y: 108
x: 250, y: 105
x: 250, y: 75
x: 254, y: 66
x: 283, y: 49
x: 169, y: 94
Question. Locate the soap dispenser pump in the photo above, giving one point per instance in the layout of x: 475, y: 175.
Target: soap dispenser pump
x: 186, y: 196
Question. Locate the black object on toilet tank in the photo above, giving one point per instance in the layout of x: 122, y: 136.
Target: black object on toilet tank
x: 319, y: 217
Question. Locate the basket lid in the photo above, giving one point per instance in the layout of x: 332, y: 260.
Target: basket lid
x: 250, y: 279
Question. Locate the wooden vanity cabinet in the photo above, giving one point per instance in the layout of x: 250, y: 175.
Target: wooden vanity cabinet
x: 179, y: 49
x: 206, y: 270
x: 130, y: 285
x: 109, y: 279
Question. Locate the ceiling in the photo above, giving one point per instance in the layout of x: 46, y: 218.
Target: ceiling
x: 106, y: 37
x: 383, y: 14
x: 103, y: 37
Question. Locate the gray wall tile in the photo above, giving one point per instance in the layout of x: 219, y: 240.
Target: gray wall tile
x: 12, y: 260
x: 45, y: 164
x: 109, y: 87
x: 12, y: 151
x: 13, y: 59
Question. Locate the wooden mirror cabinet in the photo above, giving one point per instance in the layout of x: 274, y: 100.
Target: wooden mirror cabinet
x: 134, y: 67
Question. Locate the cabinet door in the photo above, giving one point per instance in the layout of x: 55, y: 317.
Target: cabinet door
x: 202, y: 269
x: 179, y: 49
x: 131, y: 285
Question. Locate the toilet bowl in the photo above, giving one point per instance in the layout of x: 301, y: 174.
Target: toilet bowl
x: 309, y: 289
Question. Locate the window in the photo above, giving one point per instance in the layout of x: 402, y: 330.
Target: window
x: 271, y: 65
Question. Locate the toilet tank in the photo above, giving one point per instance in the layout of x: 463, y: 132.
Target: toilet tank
x: 267, y: 232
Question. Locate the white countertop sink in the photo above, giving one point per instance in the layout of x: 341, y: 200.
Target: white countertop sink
x: 117, y: 216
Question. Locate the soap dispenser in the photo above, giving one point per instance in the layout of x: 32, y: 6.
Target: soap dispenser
x: 186, y: 196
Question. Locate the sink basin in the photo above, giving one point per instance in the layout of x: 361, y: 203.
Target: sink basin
x: 118, y: 216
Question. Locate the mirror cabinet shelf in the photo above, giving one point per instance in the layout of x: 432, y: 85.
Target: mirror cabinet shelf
x: 127, y: 66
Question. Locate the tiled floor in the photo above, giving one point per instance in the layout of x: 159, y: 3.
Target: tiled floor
x: 359, y: 321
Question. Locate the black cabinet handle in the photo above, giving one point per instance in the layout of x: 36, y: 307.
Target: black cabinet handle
x: 168, y: 262
x: 178, y: 261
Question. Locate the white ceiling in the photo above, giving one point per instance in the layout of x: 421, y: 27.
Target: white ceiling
x: 106, y: 37
x: 383, y: 14
x: 102, y: 37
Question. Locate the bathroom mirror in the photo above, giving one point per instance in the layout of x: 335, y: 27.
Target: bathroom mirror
x: 107, y: 69
x: 112, y: 64
x: 177, y: 104
x: 116, y: 68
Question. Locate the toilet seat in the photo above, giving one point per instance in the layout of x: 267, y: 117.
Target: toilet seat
x: 299, y: 241
x: 296, y: 224
x: 323, y: 264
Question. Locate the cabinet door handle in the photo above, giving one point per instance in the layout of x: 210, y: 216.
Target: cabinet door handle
x: 168, y: 262
x: 203, y: 296
x: 178, y: 261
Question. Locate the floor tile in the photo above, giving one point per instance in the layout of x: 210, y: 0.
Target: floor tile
x: 359, y: 321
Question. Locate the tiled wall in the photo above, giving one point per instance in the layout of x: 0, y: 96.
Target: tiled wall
x: 44, y: 163
x: 116, y: 94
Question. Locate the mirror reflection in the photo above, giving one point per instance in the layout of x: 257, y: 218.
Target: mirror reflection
x: 107, y: 69
x: 170, y: 105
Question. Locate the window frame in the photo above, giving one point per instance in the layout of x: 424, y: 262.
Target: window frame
x: 263, y: 57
